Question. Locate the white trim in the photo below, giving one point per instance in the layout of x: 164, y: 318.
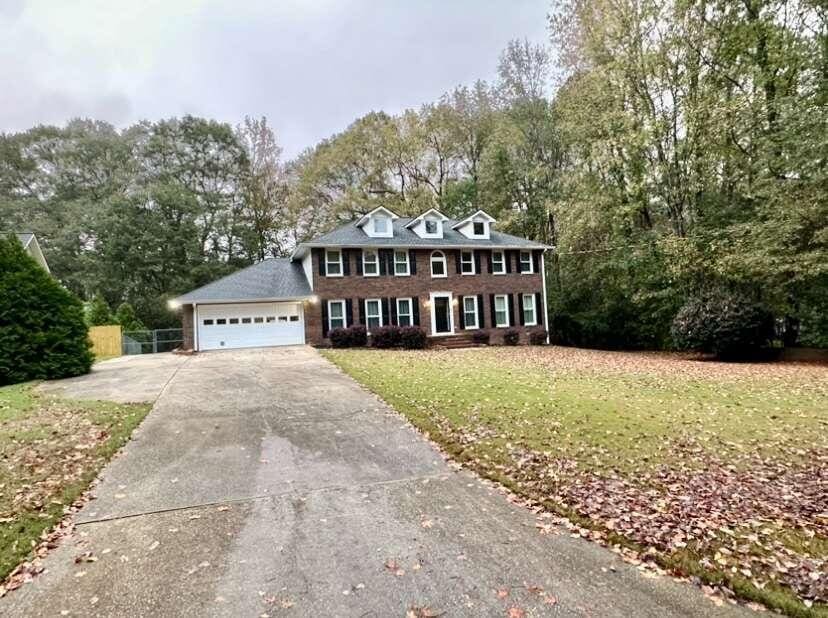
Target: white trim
x: 431, y: 298
x: 523, y: 298
x: 379, y: 314
x: 543, y: 300
x: 422, y: 217
x: 407, y: 263
x: 376, y: 263
x: 473, y: 268
x: 476, y: 314
x: 480, y: 214
x: 410, y: 313
x: 364, y: 218
x: 531, y: 270
x: 502, y: 271
x: 195, y: 327
x: 445, y: 265
x: 344, y: 316
x: 327, y: 262
x: 505, y: 298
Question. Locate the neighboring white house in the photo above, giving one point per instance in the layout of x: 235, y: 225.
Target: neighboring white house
x: 32, y: 247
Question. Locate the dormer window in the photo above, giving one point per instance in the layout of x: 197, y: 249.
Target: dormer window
x: 477, y: 226
x: 429, y: 224
x: 378, y: 223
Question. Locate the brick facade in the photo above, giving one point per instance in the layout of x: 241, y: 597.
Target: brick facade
x: 187, y: 328
x: 421, y: 284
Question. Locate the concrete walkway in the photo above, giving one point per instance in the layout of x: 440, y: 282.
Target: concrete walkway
x: 266, y: 482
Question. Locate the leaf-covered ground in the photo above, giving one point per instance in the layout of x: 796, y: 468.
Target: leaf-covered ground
x: 718, y: 472
x: 50, y: 450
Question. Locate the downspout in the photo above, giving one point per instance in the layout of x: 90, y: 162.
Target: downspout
x: 195, y: 327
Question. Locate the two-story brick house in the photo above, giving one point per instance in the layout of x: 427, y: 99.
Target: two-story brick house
x: 448, y: 277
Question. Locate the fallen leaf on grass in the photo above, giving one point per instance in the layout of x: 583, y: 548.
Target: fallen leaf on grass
x: 502, y: 593
x: 422, y: 612
x: 516, y: 612
x: 395, y: 568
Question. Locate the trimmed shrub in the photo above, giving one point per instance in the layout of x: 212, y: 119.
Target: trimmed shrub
x: 413, y: 338
x: 386, y: 337
x: 351, y: 337
x: 481, y: 337
x: 511, y: 336
x: 42, y: 330
x: 727, y: 324
x: 538, y: 337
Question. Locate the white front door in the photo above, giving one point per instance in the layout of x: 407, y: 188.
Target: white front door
x: 249, y: 325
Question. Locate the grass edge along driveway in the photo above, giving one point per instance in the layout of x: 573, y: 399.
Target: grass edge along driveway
x: 712, y: 471
x: 51, y: 449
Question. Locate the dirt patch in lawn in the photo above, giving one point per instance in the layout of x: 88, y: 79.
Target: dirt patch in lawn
x: 50, y: 450
x: 717, y: 471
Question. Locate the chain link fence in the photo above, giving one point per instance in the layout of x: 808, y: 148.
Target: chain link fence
x: 151, y: 341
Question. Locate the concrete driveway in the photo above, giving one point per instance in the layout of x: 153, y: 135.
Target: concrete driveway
x: 266, y: 482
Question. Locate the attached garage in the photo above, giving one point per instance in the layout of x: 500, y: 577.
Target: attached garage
x: 259, y: 306
x: 249, y: 325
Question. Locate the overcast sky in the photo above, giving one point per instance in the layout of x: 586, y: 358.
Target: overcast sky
x: 310, y: 66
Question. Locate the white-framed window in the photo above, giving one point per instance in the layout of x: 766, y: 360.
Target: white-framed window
x: 336, y: 314
x: 530, y: 317
x: 526, y: 262
x: 479, y: 228
x: 370, y: 263
x: 380, y: 225
x: 498, y: 263
x: 470, y: 312
x: 404, y: 312
x: 501, y: 311
x: 401, y: 266
x: 438, y: 264
x: 373, y: 313
x: 333, y: 263
x: 467, y: 262
x: 431, y: 226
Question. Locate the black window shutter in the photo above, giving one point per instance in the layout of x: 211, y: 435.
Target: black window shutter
x: 320, y: 260
x: 507, y: 259
x: 511, y: 310
x: 412, y: 261
x: 477, y: 262
x: 359, y: 262
x: 349, y: 312
x: 385, y: 312
x: 481, y: 315
x: 519, y: 301
x: 415, y: 306
x: 492, y: 308
x: 539, y: 318
x: 346, y: 262
x: 489, y: 255
x: 462, y: 314
x: 457, y: 260
x: 392, y: 306
x: 381, y: 260
x: 536, y: 258
x: 324, y: 318
x: 361, y: 310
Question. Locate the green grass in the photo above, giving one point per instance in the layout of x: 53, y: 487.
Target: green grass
x: 50, y: 450
x: 610, y: 414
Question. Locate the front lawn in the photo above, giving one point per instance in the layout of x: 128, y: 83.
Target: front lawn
x: 715, y: 471
x: 50, y: 450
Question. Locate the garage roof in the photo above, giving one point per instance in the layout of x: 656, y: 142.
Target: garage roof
x: 271, y: 279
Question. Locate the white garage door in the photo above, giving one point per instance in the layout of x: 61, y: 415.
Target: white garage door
x: 250, y: 325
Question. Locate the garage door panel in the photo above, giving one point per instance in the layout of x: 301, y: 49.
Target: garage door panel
x: 250, y: 325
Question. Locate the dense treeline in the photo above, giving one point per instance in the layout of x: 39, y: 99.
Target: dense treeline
x: 664, y: 148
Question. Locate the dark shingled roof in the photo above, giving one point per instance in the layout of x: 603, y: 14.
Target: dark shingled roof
x: 350, y: 235
x: 272, y: 279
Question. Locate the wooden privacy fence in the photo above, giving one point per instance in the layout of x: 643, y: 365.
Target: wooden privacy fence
x: 106, y: 340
